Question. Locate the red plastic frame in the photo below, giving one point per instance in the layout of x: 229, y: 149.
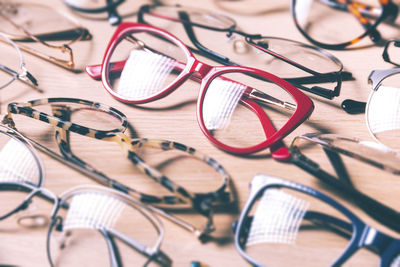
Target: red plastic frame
x: 204, y: 73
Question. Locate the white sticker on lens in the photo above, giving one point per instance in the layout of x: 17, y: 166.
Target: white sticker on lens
x: 144, y: 74
x: 277, y: 219
x: 384, y: 110
x: 94, y: 211
x: 17, y: 163
x: 302, y: 10
x: 220, y: 102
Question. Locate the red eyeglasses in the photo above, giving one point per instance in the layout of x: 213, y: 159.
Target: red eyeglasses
x: 241, y: 110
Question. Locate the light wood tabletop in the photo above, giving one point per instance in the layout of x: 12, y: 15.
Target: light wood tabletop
x: 174, y: 118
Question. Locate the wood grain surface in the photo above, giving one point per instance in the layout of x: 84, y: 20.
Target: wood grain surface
x: 177, y: 122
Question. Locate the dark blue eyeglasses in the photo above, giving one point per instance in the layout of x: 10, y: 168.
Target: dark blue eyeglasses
x: 286, y: 221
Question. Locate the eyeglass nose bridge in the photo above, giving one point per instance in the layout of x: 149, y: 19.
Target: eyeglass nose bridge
x: 199, y: 70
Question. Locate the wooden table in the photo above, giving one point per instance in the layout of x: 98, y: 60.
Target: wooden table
x: 26, y: 247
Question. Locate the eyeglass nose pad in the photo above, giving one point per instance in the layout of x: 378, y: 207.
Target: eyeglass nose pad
x: 246, y: 226
x: 58, y: 225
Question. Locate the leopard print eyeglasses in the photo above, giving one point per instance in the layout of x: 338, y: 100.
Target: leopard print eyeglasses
x: 98, y: 121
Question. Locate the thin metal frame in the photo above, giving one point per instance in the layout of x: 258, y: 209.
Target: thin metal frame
x: 252, y: 40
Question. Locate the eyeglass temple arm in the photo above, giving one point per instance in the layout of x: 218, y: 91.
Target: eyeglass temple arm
x: 157, y: 255
x: 338, y: 165
x: 364, y: 12
x: 373, y: 208
x: 24, y: 76
x: 185, y: 19
x: 57, y: 36
x: 318, y: 78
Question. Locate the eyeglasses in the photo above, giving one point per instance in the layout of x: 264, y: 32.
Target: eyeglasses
x: 81, y: 216
x: 97, y: 121
x: 213, y: 35
x: 284, y: 219
x: 113, y: 8
x: 317, y: 20
x: 382, y: 108
x: 231, y: 99
x: 15, y: 67
x: 307, y: 152
x: 22, y: 23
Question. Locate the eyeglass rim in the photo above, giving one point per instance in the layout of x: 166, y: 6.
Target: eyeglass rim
x: 357, y: 240
x: 304, y: 103
x: 133, y: 203
x: 343, y: 45
x: 12, y: 133
x: 375, y: 78
x: 21, y: 59
x: 250, y: 38
x: 29, y: 111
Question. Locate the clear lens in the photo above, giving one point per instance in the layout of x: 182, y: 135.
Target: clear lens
x: 306, y: 56
x: 36, y: 19
x: 10, y: 64
x: 319, y: 19
x: 383, y: 114
x: 94, y: 116
x: 243, y: 110
x: 10, y: 200
x: 289, y: 224
x: 143, y: 65
x: 174, y: 163
x: 92, y: 215
x: 17, y: 163
x: 165, y: 16
x: 361, y: 161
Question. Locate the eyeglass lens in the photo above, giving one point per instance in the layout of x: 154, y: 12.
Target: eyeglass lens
x: 319, y: 19
x: 382, y: 112
x: 286, y: 223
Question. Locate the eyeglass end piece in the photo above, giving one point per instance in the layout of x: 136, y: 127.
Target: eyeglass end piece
x: 353, y: 107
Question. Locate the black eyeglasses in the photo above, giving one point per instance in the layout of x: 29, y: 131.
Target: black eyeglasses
x: 298, y: 63
x: 284, y: 219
